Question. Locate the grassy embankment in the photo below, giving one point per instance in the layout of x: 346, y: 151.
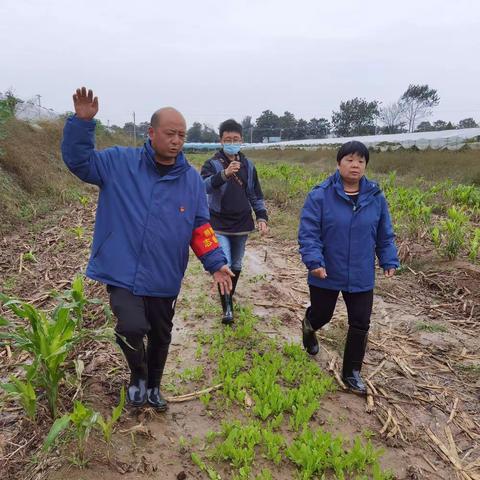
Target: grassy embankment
x: 33, y: 178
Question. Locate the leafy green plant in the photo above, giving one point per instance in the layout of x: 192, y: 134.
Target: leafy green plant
x: 84, y: 200
x: 212, y: 474
x: 316, y: 453
x: 76, y: 300
x: 474, y: 246
x: 106, y: 425
x: 48, y: 339
x: 273, y: 444
x: 82, y: 420
x: 452, y: 231
x: 192, y: 374
x: 265, y: 474
x: 24, y: 390
x: 205, y: 399
x: 78, y: 232
x: 29, y: 257
x: 198, y: 352
x: 430, y: 327
x: 238, y: 445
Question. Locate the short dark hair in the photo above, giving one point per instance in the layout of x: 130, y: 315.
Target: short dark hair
x: 353, y: 147
x: 230, y: 125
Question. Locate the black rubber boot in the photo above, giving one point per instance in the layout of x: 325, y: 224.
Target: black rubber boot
x: 137, y: 389
x: 156, y: 400
x: 156, y: 359
x: 310, y: 341
x: 227, y: 306
x: 235, y: 280
x: 355, y: 347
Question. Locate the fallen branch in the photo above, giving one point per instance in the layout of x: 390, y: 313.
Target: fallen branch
x: 192, y: 395
x: 454, y: 409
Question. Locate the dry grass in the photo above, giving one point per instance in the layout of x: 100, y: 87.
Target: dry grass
x: 433, y: 165
x: 33, y: 177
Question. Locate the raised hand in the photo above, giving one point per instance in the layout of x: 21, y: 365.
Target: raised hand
x: 86, y: 105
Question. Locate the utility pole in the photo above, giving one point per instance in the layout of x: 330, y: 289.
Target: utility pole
x: 38, y: 98
x: 251, y: 134
x: 134, y: 131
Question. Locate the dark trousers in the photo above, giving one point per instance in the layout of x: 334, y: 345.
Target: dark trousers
x: 323, y: 302
x: 139, y: 316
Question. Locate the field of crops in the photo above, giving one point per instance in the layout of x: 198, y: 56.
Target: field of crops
x: 259, y: 400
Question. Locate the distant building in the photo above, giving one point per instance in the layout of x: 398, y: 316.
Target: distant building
x: 29, y: 111
x: 271, y: 139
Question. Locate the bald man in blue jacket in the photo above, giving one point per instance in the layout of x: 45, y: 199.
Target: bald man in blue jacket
x: 152, y: 207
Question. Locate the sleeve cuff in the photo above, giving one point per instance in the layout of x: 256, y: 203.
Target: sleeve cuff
x: 261, y: 216
x: 218, y: 179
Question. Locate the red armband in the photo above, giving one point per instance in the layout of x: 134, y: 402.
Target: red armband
x: 203, y: 240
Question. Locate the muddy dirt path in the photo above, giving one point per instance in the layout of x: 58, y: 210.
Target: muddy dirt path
x: 422, y: 404
x: 423, y: 408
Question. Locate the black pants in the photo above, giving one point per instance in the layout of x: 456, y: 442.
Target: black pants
x: 139, y: 316
x: 323, y: 302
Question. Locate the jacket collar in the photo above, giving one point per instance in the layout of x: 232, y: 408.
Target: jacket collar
x: 180, y: 167
x: 367, y: 189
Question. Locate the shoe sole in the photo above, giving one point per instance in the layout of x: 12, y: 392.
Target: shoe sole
x: 357, y: 392
x: 158, y: 409
x: 354, y: 390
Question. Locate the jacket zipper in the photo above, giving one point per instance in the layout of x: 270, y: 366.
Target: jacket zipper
x: 349, y: 245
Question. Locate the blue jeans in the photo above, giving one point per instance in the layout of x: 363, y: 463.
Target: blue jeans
x: 233, y: 247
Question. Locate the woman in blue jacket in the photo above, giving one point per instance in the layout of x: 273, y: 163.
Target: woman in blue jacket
x: 344, y: 223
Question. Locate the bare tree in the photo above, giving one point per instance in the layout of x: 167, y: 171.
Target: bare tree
x: 391, y: 116
x: 417, y: 101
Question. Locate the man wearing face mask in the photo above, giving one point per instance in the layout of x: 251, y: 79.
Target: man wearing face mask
x: 233, y: 191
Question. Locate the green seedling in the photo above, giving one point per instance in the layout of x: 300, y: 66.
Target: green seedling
x: 81, y: 421
x: 29, y: 257
x: 78, y: 232
x: 273, y: 443
x: 24, y: 390
x: 192, y: 374
x: 48, y: 339
x: 474, y: 246
x: 106, y: 425
x: 430, y: 327
x: 84, y: 200
x: 205, y: 399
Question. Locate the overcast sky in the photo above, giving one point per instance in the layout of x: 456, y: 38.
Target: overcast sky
x: 213, y: 60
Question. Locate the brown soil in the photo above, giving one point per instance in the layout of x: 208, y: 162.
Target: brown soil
x: 423, y: 364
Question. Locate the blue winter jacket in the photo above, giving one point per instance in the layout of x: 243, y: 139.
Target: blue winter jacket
x: 144, y: 222
x: 344, y: 237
